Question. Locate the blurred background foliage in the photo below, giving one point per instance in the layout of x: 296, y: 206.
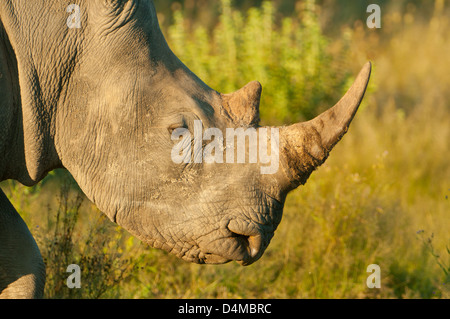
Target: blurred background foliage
x: 304, y: 53
x: 382, y: 197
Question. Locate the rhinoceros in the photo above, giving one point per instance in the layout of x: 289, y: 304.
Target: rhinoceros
x: 101, y: 96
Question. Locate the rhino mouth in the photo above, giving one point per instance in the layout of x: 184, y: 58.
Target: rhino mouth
x: 245, y: 245
x: 245, y: 253
x: 241, y: 233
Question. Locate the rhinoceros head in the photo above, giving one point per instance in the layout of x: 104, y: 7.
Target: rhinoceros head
x: 154, y: 147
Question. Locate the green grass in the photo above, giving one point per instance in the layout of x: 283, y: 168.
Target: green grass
x: 381, y: 198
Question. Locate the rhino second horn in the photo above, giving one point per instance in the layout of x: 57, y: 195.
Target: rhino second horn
x: 305, y: 146
x: 243, y: 105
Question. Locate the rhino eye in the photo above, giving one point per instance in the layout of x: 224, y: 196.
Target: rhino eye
x: 173, y: 127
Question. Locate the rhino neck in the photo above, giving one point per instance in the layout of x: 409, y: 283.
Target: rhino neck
x: 9, y: 106
x: 27, y: 148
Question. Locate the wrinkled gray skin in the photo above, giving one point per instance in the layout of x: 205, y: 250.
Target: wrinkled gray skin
x: 101, y: 101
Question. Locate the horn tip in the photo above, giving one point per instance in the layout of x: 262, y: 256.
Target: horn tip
x: 367, y: 69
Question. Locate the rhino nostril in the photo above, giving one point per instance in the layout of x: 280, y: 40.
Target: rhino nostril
x: 249, y: 237
x: 243, y: 239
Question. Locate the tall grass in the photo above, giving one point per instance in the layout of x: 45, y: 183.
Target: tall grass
x: 381, y: 198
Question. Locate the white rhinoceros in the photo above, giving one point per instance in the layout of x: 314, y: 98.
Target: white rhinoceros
x: 103, y: 96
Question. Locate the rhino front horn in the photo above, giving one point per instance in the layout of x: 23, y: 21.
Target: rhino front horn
x: 243, y: 105
x: 305, y: 146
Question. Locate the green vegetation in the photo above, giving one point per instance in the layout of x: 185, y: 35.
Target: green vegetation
x: 293, y: 61
x: 381, y: 198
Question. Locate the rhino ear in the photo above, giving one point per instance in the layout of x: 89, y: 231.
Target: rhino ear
x: 243, y: 105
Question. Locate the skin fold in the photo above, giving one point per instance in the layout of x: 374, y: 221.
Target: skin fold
x: 102, y: 102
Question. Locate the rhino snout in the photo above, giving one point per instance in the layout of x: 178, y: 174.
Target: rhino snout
x: 252, y: 237
x: 238, y: 240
